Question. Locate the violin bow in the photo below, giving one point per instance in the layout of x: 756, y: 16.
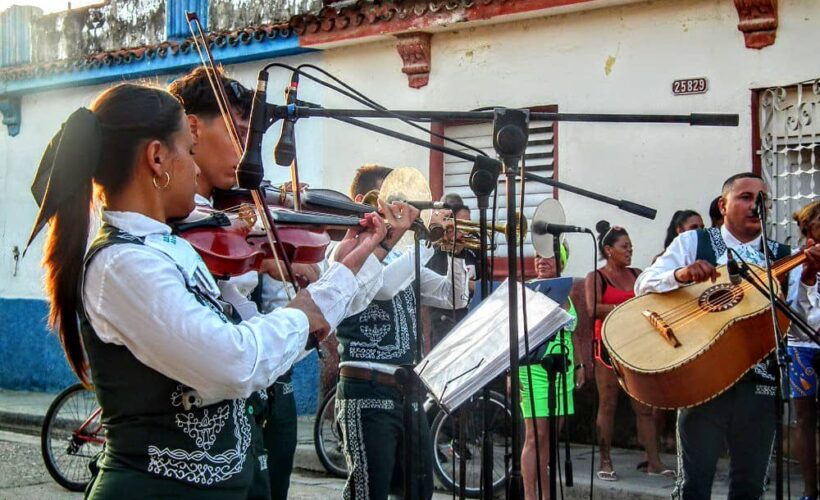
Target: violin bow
x: 205, y: 55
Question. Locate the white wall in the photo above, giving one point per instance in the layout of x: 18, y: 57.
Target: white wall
x: 563, y: 60
x: 557, y: 60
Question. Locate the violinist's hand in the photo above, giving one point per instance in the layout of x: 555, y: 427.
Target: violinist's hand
x: 357, y: 246
x: 318, y: 327
x: 400, y: 216
x: 439, y: 216
x: 812, y: 265
x: 305, y: 273
x: 288, y: 187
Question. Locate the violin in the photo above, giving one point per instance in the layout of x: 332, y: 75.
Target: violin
x: 321, y: 201
x: 232, y: 244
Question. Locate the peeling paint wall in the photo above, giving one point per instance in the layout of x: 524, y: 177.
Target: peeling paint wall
x: 79, y: 32
x: 125, y: 23
x: 237, y: 14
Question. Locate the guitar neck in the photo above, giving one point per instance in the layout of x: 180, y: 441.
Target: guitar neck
x: 786, y: 264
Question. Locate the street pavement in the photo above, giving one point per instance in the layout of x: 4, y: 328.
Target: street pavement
x: 23, y: 475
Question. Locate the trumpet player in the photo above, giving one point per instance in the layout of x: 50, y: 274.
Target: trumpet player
x: 372, y: 347
x: 456, y: 243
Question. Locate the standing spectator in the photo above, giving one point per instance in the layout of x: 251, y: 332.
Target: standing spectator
x: 572, y: 379
x: 715, y: 214
x: 805, y: 355
x: 615, y: 282
x: 682, y: 221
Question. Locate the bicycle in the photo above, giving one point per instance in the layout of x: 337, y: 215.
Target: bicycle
x: 327, y: 439
x: 72, y: 436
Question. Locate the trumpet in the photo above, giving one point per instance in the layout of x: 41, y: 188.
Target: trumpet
x: 472, y: 227
x: 469, y: 233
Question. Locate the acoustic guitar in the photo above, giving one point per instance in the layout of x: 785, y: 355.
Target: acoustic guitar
x: 684, y: 347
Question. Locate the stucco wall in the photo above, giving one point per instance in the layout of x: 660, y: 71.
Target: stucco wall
x: 614, y: 60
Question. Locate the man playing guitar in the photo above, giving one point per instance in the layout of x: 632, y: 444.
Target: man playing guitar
x: 744, y: 415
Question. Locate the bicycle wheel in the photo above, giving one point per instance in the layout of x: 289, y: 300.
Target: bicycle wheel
x: 327, y: 437
x: 446, y: 448
x: 72, y: 436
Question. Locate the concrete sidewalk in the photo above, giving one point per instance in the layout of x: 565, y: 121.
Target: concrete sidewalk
x: 24, y: 411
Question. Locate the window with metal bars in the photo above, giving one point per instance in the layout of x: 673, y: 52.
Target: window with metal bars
x: 789, y: 152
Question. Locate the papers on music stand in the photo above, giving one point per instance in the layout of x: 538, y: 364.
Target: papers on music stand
x: 478, y: 348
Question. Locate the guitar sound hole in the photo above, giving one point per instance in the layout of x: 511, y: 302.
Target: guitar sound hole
x: 720, y: 297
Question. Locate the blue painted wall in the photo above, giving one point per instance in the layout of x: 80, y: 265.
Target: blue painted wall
x: 32, y: 359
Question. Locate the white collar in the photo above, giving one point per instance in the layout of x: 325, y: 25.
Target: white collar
x: 135, y: 223
x: 732, y: 242
x: 203, y: 201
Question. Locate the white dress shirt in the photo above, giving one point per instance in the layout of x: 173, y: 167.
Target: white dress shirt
x: 436, y: 289
x: 137, y: 296
x: 660, y: 276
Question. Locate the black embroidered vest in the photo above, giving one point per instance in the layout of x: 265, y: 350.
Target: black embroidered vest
x: 385, y: 332
x: 155, y: 424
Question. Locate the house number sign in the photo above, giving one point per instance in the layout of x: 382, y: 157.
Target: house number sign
x: 689, y: 86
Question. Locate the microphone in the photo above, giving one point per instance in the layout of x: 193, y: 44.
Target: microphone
x: 540, y: 227
x: 285, y: 150
x: 428, y: 205
x: 735, y: 275
x: 759, y: 204
x: 250, y: 172
x: 436, y: 232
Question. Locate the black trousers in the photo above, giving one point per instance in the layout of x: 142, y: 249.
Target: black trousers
x: 742, y: 418
x: 279, y: 433
x: 371, y: 416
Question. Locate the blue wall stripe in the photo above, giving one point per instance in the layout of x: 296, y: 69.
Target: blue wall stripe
x: 255, y: 50
x: 176, y: 25
x: 32, y: 359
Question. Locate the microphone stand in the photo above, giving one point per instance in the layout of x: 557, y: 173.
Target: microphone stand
x: 781, y: 394
x: 510, y: 149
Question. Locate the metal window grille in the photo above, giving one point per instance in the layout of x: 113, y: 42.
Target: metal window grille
x: 789, y: 152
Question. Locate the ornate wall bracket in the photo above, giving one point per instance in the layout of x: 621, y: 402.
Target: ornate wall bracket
x: 758, y: 22
x: 414, y: 49
x: 10, y: 109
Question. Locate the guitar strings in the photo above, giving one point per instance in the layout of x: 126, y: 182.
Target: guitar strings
x: 735, y: 292
x: 685, y: 309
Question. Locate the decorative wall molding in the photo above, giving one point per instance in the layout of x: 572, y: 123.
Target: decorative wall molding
x: 414, y: 49
x: 758, y: 22
x: 10, y: 109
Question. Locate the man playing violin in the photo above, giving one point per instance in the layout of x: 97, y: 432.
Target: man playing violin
x: 217, y: 158
x: 373, y: 345
x: 743, y: 416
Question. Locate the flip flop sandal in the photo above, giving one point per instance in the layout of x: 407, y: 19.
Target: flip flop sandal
x: 607, y: 476
x: 665, y: 473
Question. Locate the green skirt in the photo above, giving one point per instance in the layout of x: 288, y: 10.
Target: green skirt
x: 540, y: 386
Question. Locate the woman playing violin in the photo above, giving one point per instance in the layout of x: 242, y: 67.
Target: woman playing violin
x: 170, y: 370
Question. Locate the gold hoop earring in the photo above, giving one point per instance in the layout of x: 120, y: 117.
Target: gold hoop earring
x: 167, y: 181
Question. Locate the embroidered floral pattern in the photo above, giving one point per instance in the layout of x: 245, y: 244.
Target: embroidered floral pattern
x: 350, y: 418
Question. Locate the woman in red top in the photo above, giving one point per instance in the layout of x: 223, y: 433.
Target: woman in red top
x: 615, y: 282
